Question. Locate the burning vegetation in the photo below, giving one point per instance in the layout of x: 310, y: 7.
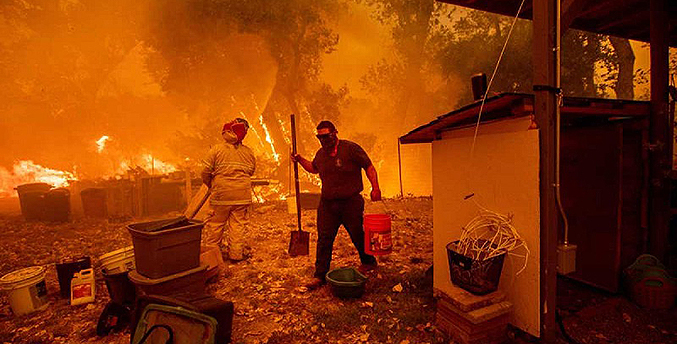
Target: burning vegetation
x: 159, y: 79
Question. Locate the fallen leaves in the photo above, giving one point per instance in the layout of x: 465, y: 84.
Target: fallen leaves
x: 266, y: 289
x: 627, y: 318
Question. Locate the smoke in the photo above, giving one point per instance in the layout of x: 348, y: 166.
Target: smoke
x: 159, y: 78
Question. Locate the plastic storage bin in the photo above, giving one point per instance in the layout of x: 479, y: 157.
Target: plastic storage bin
x: 219, y: 309
x: 161, y: 252
x: 189, y: 282
x: 160, y: 322
x: 118, y: 261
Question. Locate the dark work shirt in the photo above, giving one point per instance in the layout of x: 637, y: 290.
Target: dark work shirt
x: 341, y: 175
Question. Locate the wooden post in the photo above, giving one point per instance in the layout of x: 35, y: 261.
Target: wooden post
x: 545, y: 61
x: 660, y: 133
x: 189, y: 186
x: 399, y: 167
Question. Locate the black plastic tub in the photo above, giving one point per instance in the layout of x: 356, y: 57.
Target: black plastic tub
x: 346, y: 282
x: 478, y: 277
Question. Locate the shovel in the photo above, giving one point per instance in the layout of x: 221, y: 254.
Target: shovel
x: 197, y: 202
x: 300, y: 240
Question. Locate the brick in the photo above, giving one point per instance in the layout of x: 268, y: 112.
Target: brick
x: 485, y: 325
x: 466, y: 301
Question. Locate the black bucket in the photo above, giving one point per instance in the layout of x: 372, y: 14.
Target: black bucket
x: 478, y: 277
x: 120, y: 289
x: 65, y: 271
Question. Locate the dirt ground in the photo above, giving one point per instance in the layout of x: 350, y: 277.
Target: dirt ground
x: 271, y: 307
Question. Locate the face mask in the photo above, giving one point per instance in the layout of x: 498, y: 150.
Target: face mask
x: 328, y: 141
x: 230, y: 137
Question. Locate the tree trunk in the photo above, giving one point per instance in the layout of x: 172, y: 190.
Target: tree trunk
x: 626, y: 66
x: 409, y: 103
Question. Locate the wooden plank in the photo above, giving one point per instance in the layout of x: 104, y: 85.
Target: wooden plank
x: 570, y: 11
x: 590, y: 178
x: 591, y: 111
x: 545, y: 61
x: 660, y: 133
x: 197, y: 202
x: 467, y: 302
x: 632, y: 235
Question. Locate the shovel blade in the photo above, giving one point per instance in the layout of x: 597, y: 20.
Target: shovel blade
x: 299, y: 243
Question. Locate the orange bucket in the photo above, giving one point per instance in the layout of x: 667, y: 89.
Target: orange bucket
x: 377, y: 236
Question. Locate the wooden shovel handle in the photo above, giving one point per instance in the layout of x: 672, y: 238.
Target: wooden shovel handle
x: 296, y: 172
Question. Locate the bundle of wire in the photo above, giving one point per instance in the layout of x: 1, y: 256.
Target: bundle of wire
x: 489, y: 235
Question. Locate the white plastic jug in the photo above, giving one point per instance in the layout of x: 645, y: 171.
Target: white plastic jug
x: 83, y: 287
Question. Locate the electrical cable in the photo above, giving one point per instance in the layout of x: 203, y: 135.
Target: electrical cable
x: 560, y: 322
x: 491, y: 80
x: 505, y: 238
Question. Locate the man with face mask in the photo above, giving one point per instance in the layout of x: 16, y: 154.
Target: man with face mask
x: 340, y: 164
x: 228, y: 168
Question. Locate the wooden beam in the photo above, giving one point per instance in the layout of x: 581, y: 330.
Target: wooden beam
x: 630, y: 18
x: 570, y: 11
x: 545, y: 61
x: 600, y: 7
x: 660, y: 133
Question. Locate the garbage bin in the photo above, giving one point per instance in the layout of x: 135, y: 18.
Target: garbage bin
x: 32, y: 199
x: 57, y: 203
x: 94, y: 202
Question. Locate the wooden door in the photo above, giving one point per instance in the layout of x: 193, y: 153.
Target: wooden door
x: 591, y: 163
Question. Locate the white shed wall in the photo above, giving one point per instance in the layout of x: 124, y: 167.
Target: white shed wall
x: 504, y: 176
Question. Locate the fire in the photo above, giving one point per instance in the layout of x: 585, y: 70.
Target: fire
x: 285, y: 132
x: 101, y: 143
x: 269, y: 139
x: 26, y: 171
x: 149, y: 163
x: 251, y: 127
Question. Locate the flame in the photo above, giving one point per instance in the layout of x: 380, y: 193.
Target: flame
x: 285, y: 132
x: 26, y: 171
x: 270, y: 192
x: 150, y: 162
x: 147, y: 162
x: 251, y: 127
x: 269, y: 139
x: 101, y: 143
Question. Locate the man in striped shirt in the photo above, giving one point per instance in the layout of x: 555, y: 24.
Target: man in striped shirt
x: 228, y: 168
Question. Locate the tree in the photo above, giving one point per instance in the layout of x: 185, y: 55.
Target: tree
x: 54, y: 59
x: 624, y: 85
x: 406, y: 78
x: 198, y: 64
